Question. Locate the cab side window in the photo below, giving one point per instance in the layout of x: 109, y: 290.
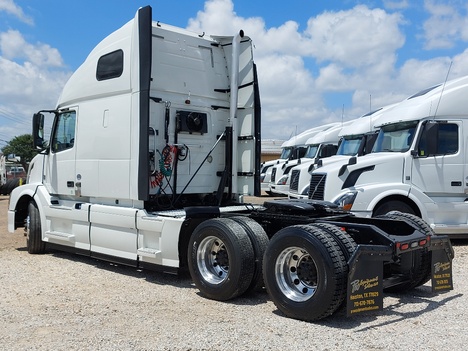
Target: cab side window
x: 447, y: 140
x: 64, y: 132
x: 110, y: 65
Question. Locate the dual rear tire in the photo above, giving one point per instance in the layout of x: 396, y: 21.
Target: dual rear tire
x: 225, y: 257
x: 305, y: 270
x: 304, y: 267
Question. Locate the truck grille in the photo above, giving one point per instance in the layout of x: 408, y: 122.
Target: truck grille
x: 317, y: 186
x: 273, y: 174
x: 294, y: 183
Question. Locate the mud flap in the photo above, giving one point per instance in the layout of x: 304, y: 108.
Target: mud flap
x: 442, y: 256
x: 365, y: 279
x: 442, y: 271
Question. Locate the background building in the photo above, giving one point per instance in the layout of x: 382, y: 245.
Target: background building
x: 271, y: 149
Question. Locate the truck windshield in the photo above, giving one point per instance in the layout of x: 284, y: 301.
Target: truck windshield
x: 293, y: 153
x: 395, y: 137
x: 286, y: 153
x: 311, y: 151
x: 349, y: 146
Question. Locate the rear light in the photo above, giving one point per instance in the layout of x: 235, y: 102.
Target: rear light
x: 414, y: 244
x: 402, y: 247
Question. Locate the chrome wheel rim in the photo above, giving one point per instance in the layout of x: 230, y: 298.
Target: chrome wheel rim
x: 296, y: 274
x: 213, y: 260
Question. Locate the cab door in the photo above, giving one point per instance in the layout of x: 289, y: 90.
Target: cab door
x: 59, y: 177
x: 440, y: 173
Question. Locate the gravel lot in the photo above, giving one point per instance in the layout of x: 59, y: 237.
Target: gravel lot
x: 60, y: 301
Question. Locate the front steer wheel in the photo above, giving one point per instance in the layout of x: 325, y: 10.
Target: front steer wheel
x: 221, y: 259
x: 305, y: 272
x: 34, y: 241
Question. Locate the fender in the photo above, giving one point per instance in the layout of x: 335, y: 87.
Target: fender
x: 417, y: 198
x: 18, y: 204
x: 377, y: 194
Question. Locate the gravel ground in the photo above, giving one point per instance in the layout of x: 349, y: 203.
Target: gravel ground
x: 60, y: 301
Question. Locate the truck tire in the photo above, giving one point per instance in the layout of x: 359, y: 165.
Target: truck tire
x: 422, y: 259
x: 305, y: 272
x: 221, y: 259
x: 34, y: 241
x: 344, y: 240
x: 259, y: 240
x: 393, y: 205
x: 10, y: 185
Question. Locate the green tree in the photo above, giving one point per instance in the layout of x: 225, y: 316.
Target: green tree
x: 21, y: 146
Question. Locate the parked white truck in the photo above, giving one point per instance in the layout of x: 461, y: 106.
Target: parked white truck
x: 12, y: 174
x: 356, y: 139
x: 418, y: 164
x: 321, y: 146
x: 154, y: 143
x: 293, y: 149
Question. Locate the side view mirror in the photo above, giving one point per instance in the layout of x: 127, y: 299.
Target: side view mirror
x: 432, y: 137
x: 13, y: 158
x: 351, y: 161
x: 38, y: 130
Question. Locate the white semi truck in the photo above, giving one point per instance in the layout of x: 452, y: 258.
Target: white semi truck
x: 418, y: 164
x: 289, y: 151
x: 356, y: 139
x: 293, y: 149
x: 155, y: 141
x: 321, y: 146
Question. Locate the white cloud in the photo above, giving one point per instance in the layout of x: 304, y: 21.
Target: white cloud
x: 32, y: 78
x: 351, y: 54
x: 446, y: 25
x: 13, y: 46
x: 11, y: 8
x: 29, y: 84
x: 346, y: 46
x: 355, y: 38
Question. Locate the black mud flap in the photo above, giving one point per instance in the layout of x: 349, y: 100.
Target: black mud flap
x: 365, y: 279
x: 442, y: 271
x: 442, y: 256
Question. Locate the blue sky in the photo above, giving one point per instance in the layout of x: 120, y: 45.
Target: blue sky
x: 319, y: 61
